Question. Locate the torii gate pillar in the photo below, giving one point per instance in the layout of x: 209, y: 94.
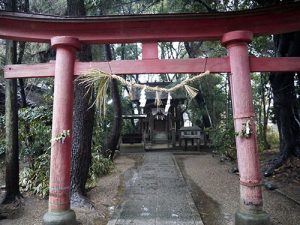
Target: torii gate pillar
x: 250, y: 211
x: 59, y: 212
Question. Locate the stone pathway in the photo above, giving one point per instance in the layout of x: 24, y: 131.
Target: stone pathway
x: 156, y: 194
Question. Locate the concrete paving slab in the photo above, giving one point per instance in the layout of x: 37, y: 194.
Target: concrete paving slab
x: 156, y: 193
x: 135, y: 222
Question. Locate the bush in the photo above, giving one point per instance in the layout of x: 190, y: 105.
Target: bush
x: 37, y: 121
x: 273, y: 137
x: 35, y: 178
x: 100, y: 166
x: 223, y: 139
x: 34, y: 131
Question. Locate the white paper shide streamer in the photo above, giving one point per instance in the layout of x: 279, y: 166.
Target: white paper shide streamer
x: 168, y: 103
x: 157, y: 101
x: 143, y: 97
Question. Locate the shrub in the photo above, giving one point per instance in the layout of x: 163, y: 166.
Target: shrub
x: 37, y: 121
x: 223, y: 139
x: 35, y: 178
x: 273, y: 137
x: 100, y: 166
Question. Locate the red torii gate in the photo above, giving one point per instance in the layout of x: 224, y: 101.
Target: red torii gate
x: 235, y: 30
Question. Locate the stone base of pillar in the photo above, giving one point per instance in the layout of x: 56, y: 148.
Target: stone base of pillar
x: 252, y: 218
x: 60, y: 218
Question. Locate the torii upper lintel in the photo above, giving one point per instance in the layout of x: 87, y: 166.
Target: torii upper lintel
x: 150, y: 28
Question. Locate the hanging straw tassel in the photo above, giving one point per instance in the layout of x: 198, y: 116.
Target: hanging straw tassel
x: 191, y: 91
x: 157, y: 98
x: 130, y: 91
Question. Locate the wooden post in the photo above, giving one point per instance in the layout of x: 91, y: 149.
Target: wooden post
x: 151, y: 127
x: 59, y: 187
x: 250, y: 211
x: 173, y: 131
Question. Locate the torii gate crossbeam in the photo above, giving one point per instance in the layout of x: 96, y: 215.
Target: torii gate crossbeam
x: 156, y: 66
x: 234, y: 30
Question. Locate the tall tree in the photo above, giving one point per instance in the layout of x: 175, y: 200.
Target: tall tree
x: 284, y: 97
x: 117, y: 119
x: 11, y: 117
x: 22, y: 46
x: 82, y: 125
x: 285, y: 102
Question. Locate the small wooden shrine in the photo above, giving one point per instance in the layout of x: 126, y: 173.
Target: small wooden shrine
x: 159, y: 122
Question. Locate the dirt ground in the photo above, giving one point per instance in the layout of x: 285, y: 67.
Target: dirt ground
x: 215, y: 190
x: 105, y: 196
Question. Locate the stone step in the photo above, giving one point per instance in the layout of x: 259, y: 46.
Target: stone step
x: 160, y: 137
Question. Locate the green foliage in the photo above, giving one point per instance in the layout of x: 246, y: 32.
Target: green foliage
x: 223, y: 139
x: 273, y: 137
x: 35, y: 178
x: 262, y: 46
x: 102, y: 126
x: 53, y: 7
x: 128, y: 127
x: 127, y: 51
x: 35, y: 130
x: 213, y: 102
x: 2, y: 134
x: 101, y: 130
x: 100, y: 166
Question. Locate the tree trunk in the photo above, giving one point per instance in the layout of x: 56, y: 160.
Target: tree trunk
x: 22, y: 46
x: 81, y: 145
x: 82, y: 126
x: 285, y: 102
x: 117, y: 119
x: 11, y: 118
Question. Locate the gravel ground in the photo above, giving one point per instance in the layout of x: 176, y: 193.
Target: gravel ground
x: 105, y: 197
x: 216, y: 192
